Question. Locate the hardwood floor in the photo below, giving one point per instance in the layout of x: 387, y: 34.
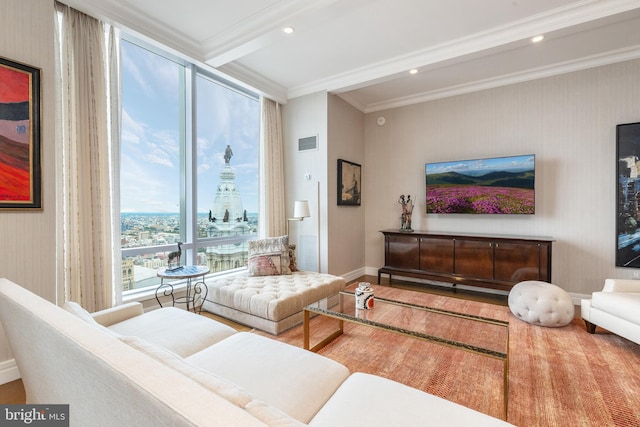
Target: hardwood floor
x: 13, y: 392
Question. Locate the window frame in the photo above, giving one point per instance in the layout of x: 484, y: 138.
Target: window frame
x: 188, y: 215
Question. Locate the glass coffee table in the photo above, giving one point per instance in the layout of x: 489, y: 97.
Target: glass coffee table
x: 479, y: 335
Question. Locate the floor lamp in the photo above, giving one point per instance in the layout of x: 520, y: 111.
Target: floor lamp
x: 300, y: 212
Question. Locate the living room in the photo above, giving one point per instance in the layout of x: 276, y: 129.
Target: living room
x: 567, y: 120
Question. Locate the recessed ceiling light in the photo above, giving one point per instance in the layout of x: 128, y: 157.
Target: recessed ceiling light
x: 537, y: 39
x: 414, y: 71
x: 288, y: 30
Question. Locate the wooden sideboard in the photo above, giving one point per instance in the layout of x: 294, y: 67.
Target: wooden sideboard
x: 489, y: 261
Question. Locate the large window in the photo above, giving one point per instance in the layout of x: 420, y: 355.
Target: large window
x: 189, y: 166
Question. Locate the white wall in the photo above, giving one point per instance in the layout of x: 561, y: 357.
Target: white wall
x: 304, y: 117
x: 339, y: 230
x: 28, y: 239
x: 568, y: 122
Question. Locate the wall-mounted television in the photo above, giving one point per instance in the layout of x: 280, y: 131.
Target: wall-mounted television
x: 499, y: 185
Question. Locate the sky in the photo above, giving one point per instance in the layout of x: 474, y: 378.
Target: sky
x: 514, y: 164
x: 150, y: 155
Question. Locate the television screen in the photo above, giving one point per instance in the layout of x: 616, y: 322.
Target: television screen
x: 502, y: 185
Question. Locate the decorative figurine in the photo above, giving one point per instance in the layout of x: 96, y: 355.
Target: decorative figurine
x: 407, y: 210
x: 173, y: 260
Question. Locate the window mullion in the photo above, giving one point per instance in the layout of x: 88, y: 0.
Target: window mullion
x: 189, y: 175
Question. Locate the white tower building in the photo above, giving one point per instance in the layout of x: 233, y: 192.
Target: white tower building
x: 227, y: 218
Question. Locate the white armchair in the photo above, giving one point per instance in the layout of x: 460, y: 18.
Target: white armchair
x: 616, y: 308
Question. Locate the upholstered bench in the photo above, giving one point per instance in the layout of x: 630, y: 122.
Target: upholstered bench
x: 541, y: 303
x: 270, y: 303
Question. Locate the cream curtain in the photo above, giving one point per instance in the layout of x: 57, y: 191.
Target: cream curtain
x: 272, y: 206
x: 88, y: 142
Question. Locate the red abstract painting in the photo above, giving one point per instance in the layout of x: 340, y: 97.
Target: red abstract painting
x: 19, y: 136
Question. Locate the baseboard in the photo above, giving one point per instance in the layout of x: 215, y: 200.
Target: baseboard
x: 8, y: 371
x: 353, y: 275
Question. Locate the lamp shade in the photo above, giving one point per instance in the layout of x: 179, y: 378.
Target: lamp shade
x: 301, y: 209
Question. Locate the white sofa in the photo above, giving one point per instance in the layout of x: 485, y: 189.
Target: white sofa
x: 616, y: 308
x: 242, y: 379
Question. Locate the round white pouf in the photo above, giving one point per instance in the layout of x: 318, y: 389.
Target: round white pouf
x: 541, y: 303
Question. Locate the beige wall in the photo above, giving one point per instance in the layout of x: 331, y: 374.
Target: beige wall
x: 568, y: 122
x: 345, y: 223
x: 28, y: 239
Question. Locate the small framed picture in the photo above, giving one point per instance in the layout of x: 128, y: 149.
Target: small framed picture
x: 20, y: 170
x: 349, y: 183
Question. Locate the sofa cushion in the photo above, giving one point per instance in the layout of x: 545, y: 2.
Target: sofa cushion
x: 271, y: 415
x: 269, y: 257
x: 368, y: 400
x: 294, y: 380
x: 218, y: 385
x: 231, y: 392
x: 178, y: 330
x: 621, y: 304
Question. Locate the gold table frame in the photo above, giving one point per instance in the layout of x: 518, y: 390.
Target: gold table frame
x: 341, y: 316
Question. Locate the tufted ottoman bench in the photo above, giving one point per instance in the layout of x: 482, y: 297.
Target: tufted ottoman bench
x: 270, y: 303
x: 541, y: 303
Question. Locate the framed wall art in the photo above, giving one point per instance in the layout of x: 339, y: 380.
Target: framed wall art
x: 628, y: 195
x: 349, y: 183
x: 20, y: 168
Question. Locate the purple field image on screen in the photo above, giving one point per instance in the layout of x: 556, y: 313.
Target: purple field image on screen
x: 499, y: 185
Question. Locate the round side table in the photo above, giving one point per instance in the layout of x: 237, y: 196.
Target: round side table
x: 194, y: 276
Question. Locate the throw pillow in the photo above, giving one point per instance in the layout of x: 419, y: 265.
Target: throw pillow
x: 293, y: 263
x: 269, y: 257
x: 75, y: 308
x: 265, y: 265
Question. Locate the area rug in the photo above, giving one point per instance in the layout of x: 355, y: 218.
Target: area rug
x: 557, y: 376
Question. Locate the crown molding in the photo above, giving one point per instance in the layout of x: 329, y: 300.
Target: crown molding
x: 354, y: 101
x: 139, y: 23
x: 258, y: 82
x: 492, y: 39
x: 621, y: 55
